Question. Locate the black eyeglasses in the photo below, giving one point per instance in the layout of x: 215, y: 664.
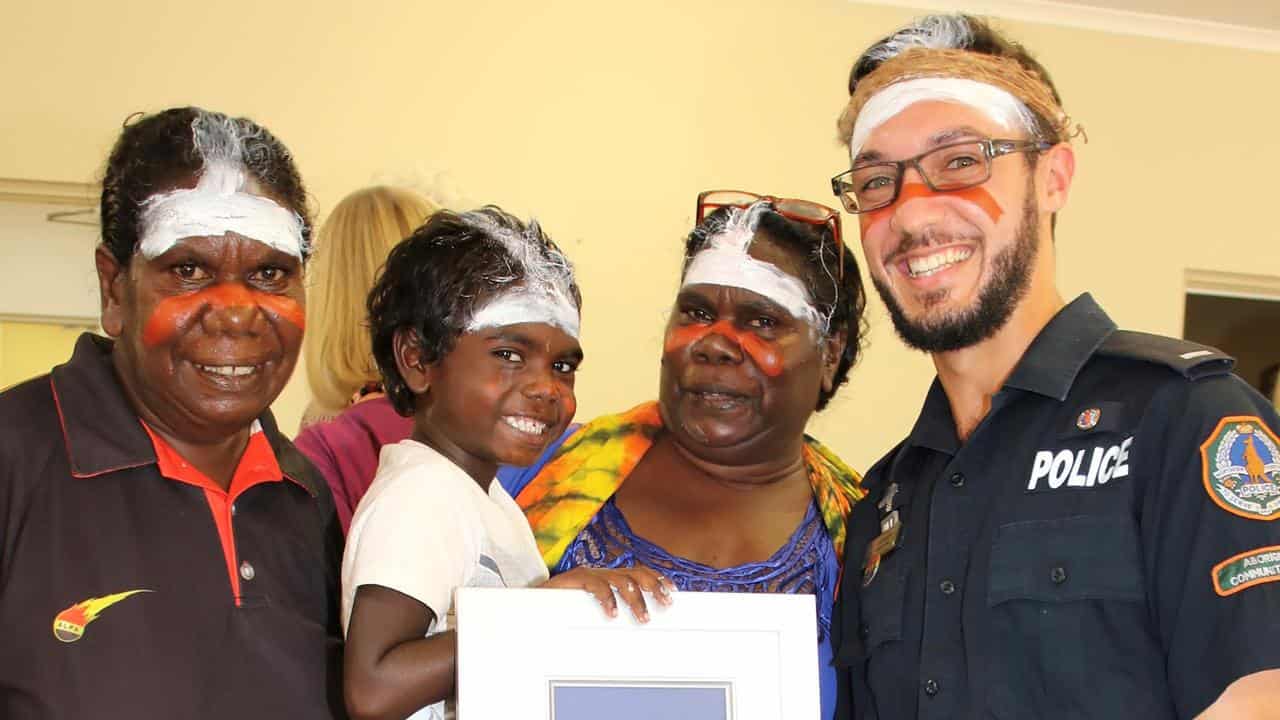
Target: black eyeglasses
x: 956, y: 166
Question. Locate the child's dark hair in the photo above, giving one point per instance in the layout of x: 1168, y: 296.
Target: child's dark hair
x: 157, y: 153
x: 435, y: 279
x: 843, y: 302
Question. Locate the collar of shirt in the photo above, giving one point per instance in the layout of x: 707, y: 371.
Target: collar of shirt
x: 1048, y: 367
x: 257, y: 464
x: 103, y: 434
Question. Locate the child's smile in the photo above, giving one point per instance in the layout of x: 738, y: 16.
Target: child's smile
x: 499, y: 396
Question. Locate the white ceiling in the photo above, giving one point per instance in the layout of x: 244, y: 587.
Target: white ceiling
x: 1242, y: 24
x: 1261, y: 14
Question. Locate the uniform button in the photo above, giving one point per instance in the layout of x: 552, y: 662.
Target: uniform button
x: 947, y: 587
x: 957, y: 480
x: 930, y: 687
x: 864, y: 630
x: 234, y: 508
x: 1058, y: 575
x: 246, y: 570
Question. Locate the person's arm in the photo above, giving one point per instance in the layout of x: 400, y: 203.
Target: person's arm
x: 412, y: 546
x: 1207, y: 454
x: 1252, y: 697
x: 392, y: 670
x: 334, y: 646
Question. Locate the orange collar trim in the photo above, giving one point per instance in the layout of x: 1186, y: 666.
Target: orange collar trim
x: 257, y: 465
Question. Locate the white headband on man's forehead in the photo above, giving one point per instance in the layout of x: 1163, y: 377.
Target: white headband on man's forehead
x: 1001, y: 106
x: 725, y: 261
x: 218, y: 204
x: 544, y: 292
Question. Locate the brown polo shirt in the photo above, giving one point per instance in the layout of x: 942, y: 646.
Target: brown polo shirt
x: 131, y: 586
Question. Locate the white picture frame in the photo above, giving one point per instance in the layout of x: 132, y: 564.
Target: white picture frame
x: 517, y: 647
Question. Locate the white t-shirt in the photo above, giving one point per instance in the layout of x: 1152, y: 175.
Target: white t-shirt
x: 425, y: 528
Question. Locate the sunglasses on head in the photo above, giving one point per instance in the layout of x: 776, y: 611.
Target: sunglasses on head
x: 803, y: 211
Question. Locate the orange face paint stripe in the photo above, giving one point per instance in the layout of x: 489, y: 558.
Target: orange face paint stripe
x: 768, y: 359
x: 175, y: 312
x: 286, y: 308
x: 977, y: 195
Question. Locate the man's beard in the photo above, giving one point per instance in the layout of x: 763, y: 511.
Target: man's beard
x: 1011, y: 275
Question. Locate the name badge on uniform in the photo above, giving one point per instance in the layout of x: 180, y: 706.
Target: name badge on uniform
x: 884, y: 543
x: 888, y: 522
x: 890, y: 537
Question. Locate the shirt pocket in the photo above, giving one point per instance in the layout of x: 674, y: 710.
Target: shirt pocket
x: 883, y: 605
x: 1057, y: 592
x: 1076, y: 558
x: 871, y: 646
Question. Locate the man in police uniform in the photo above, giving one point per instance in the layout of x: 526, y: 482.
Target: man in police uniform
x: 1082, y: 522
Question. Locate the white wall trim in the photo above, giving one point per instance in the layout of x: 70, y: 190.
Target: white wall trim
x: 1124, y: 22
x: 48, y: 192
x: 79, y: 323
x: 1234, y: 285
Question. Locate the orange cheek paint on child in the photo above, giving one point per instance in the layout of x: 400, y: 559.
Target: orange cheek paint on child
x: 176, y: 312
x: 765, y: 356
x: 977, y: 195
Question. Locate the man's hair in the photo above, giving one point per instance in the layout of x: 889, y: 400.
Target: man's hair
x: 955, y: 32
x: 842, y: 302
x: 437, y: 277
x: 160, y: 152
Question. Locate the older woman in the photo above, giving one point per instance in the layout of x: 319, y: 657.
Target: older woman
x: 716, y: 485
x: 164, y: 550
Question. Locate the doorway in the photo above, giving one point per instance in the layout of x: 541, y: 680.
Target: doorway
x: 1240, y: 315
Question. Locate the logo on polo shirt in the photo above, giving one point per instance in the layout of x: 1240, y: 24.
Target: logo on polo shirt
x: 68, y: 625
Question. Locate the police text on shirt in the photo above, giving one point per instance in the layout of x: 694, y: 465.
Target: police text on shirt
x: 1080, y: 468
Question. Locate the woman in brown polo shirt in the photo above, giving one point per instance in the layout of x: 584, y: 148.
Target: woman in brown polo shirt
x: 166, y: 552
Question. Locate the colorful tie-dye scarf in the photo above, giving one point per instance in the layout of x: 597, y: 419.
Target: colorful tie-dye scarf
x: 592, y: 463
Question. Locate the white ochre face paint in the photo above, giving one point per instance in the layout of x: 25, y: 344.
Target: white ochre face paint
x: 217, y: 205
x: 545, y: 292
x: 1002, y: 107
x: 725, y: 261
x: 520, y: 305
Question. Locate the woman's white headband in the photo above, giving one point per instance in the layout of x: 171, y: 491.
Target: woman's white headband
x: 219, y: 203
x: 725, y: 261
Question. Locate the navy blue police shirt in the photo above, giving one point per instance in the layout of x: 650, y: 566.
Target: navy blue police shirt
x: 1104, y: 544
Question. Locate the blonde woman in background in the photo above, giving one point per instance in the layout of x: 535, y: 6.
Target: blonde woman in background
x: 351, y: 247
x: 349, y: 419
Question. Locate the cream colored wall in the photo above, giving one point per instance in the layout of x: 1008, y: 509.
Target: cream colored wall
x: 28, y: 349
x: 605, y: 119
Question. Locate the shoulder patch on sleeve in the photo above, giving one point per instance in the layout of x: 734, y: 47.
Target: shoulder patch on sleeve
x: 1254, y: 567
x: 1191, y: 360
x: 1240, y: 461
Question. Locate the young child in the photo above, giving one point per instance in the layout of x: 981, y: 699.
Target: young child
x: 475, y: 331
